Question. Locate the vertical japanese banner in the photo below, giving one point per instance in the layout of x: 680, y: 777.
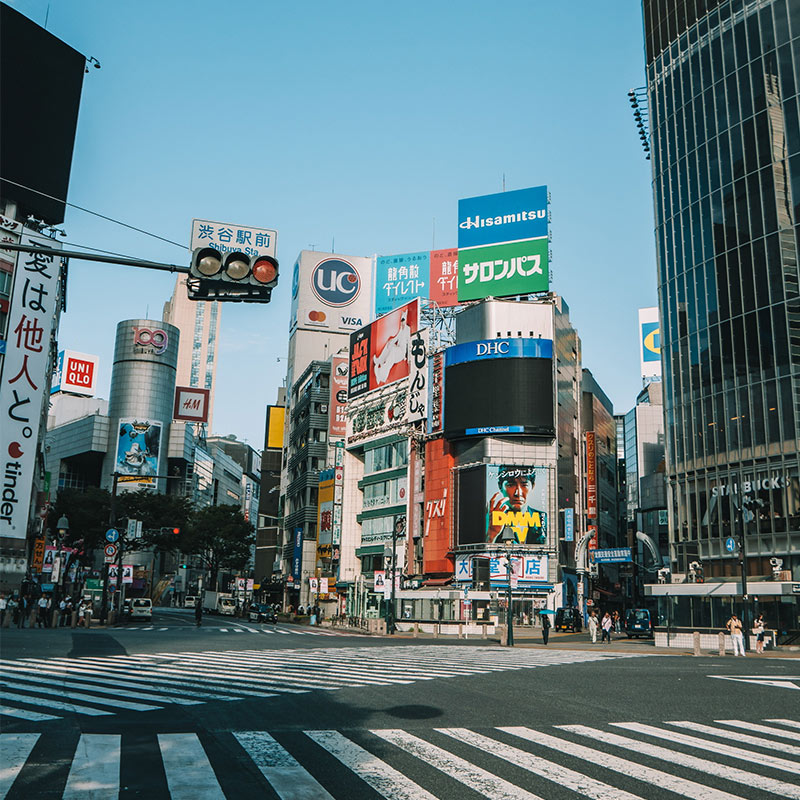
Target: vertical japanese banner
x: 444, y: 277
x: 337, y: 421
x: 591, y: 475
x: 436, y: 393
x: 31, y: 319
x: 418, y: 376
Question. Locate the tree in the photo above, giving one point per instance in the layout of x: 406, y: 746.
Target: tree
x: 221, y: 537
x: 156, y: 511
x: 88, y: 512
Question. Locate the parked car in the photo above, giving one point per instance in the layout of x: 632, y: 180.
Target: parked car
x: 568, y: 618
x: 261, y: 612
x: 638, y: 622
x: 141, y: 608
x: 190, y: 601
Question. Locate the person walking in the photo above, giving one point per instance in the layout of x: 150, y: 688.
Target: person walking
x: 41, y: 619
x: 22, y: 611
x: 198, y: 613
x: 734, y: 626
x: 545, y: 628
x: 3, y: 609
x: 607, y: 624
x: 616, y: 620
x: 758, y: 630
x: 593, y: 626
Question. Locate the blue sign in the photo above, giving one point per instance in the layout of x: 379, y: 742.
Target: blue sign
x: 112, y: 535
x: 651, y: 341
x: 502, y: 217
x: 399, y: 279
x: 730, y: 544
x: 569, y: 524
x: 492, y: 430
x: 498, y: 348
x: 297, y: 557
x: 2, y: 347
x: 335, y: 282
x: 611, y: 555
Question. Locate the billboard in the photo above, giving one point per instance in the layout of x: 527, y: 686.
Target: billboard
x: 591, y: 475
x: 75, y: 373
x: 337, y: 408
x: 276, y: 419
x: 379, y: 352
x: 331, y: 293
x: 191, y: 404
x: 138, y: 447
x: 650, y: 342
x: 325, y: 513
x: 444, y: 277
x: 499, y: 387
x: 526, y: 569
x: 399, y: 279
x: 503, y: 244
x: 418, y: 377
x: 498, y: 498
x: 438, y: 511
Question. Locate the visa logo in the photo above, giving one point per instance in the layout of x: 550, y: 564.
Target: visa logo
x: 352, y: 321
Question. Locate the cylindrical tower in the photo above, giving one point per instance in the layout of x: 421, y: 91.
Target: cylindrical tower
x: 140, y: 404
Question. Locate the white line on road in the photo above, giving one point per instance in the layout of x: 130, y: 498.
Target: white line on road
x: 73, y: 708
x: 84, y: 696
x: 14, y: 749
x: 94, y: 774
x: 33, y: 716
x: 189, y: 775
x: 735, y: 736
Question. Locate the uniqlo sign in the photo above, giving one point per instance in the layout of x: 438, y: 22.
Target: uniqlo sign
x: 76, y: 373
x: 191, y: 404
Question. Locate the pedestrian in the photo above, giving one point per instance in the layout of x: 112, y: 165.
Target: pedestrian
x: 300, y: 610
x: 606, y: 625
x: 545, y: 628
x: 615, y: 620
x: 593, y: 626
x: 198, y: 613
x: 62, y: 612
x: 22, y: 611
x: 81, y: 613
x: 758, y: 630
x: 3, y: 608
x: 11, y: 612
x: 734, y: 626
x: 41, y: 618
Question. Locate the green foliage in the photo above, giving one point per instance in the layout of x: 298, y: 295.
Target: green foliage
x: 156, y: 511
x: 88, y: 514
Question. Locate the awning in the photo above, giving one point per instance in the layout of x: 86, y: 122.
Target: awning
x: 437, y: 581
x: 370, y: 550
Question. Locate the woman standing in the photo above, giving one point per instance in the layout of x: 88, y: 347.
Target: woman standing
x: 758, y: 630
x: 593, y: 626
x: 607, y: 624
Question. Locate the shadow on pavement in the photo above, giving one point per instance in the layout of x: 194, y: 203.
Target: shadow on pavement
x: 88, y: 643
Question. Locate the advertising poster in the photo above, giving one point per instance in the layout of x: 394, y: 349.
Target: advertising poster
x: 138, y: 446
x: 325, y: 492
x: 650, y: 342
x: 418, y: 382
x: 337, y: 421
x: 399, y: 279
x: 191, y: 404
x: 49, y: 557
x: 380, y: 580
x: 379, y: 352
x: 297, y: 555
x: 516, y: 498
x: 591, y: 475
x: 503, y: 244
x: 444, y: 277
x: 127, y: 573
x: 75, y: 373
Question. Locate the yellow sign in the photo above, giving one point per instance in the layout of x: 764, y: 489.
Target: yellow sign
x: 275, y: 422
x: 38, y: 554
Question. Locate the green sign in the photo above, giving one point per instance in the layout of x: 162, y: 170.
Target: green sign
x: 503, y: 270
x: 94, y: 583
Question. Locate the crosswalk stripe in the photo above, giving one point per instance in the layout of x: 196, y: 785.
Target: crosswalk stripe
x: 703, y: 765
x: 752, y: 726
x: 714, y: 747
x: 385, y: 780
x: 649, y: 775
x: 34, y: 716
x: 480, y: 780
x: 98, y: 699
x: 582, y: 784
x: 189, y: 773
x: 788, y: 722
x: 74, y: 708
x: 14, y: 749
x: 735, y: 736
x: 94, y: 774
x: 289, y: 780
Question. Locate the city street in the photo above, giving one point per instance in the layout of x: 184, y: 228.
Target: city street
x: 166, y: 710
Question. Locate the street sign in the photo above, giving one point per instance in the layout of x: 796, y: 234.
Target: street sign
x: 131, y: 532
x: 112, y: 535
x: 110, y: 553
x: 228, y: 238
x: 611, y: 555
x: 730, y: 544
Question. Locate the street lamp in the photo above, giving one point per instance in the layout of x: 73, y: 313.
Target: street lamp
x: 63, y: 527
x: 508, y: 539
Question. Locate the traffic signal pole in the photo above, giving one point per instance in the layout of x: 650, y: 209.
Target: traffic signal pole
x: 104, y: 259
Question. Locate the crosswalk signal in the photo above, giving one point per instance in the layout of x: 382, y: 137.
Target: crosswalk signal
x: 235, y: 277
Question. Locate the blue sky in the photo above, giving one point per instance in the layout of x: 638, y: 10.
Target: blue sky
x: 358, y: 123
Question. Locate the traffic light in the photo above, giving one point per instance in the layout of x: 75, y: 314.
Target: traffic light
x: 236, y: 276
x: 169, y: 530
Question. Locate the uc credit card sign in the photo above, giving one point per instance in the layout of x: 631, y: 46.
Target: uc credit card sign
x: 503, y: 244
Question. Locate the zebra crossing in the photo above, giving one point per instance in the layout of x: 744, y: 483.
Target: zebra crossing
x: 272, y: 630
x: 607, y: 761
x: 42, y: 689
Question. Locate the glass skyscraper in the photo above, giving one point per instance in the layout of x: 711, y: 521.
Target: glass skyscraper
x: 722, y: 84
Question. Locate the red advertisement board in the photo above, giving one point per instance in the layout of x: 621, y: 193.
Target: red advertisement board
x: 444, y: 277
x: 438, y: 511
x: 337, y: 421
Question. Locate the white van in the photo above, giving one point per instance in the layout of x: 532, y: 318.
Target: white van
x: 141, y: 608
x: 190, y: 601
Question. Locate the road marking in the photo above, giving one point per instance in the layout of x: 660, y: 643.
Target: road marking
x: 74, y: 708
x: 788, y: 722
x: 84, y: 696
x: 649, y: 775
x: 386, y: 780
x: 189, y: 774
x: 34, y: 716
x: 94, y: 774
x: 582, y: 784
x: 15, y: 749
x: 714, y: 747
x: 735, y: 736
x: 751, y: 726
x: 761, y: 680
x: 693, y: 762
x: 284, y: 773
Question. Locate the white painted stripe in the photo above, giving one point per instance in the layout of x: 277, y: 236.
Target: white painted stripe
x: 385, y: 780
x: 14, y: 751
x: 289, y: 780
x: 483, y: 782
x: 682, y: 759
x: 224, y: 630
x: 791, y: 723
x: 751, y: 726
x: 577, y: 781
x: 94, y: 774
x: 595, y: 755
x: 52, y: 704
x: 238, y: 630
x: 22, y: 714
x: 714, y: 747
x: 735, y: 736
x: 189, y: 775
x: 19, y: 685
x: 163, y: 629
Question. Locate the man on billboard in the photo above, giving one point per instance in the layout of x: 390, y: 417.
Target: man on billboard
x: 395, y: 351
x: 510, y: 506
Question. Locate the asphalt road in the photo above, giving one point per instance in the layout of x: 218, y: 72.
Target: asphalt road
x: 210, y: 713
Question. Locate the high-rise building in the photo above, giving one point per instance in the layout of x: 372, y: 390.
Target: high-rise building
x: 722, y: 84
x: 198, y: 322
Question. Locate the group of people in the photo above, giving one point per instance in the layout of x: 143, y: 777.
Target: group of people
x: 17, y: 610
x: 314, y: 613
x: 735, y: 628
x: 611, y: 621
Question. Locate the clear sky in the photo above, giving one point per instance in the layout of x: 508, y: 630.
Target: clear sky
x: 356, y: 125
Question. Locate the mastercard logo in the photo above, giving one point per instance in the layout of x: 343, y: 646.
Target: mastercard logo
x: 317, y: 316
